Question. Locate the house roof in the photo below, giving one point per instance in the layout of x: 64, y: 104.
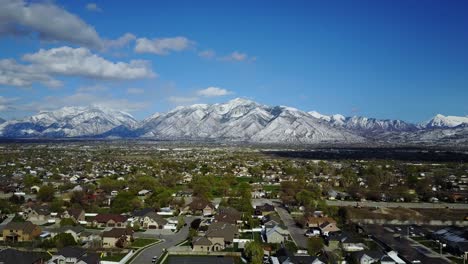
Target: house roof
x: 27, y: 226
x: 200, y: 204
x: 104, y: 218
x: 157, y: 218
x: 201, y: 241
x: 142, y: 212
x: 224, y: 230
x: 265, y: 208
x: 228, y: 215
x: 10, y: 255
x: 75, y: 212
x: 117, y: 232
x: 71, y: 252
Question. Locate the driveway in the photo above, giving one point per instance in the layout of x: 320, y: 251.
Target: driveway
x: 171, y: 240
x: 297, y: 233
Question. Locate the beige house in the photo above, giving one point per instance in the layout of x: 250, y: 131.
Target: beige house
x: 201, y: 206
x: 109, y: 220
x: 117, y: 237
x: 18, y: 232
x: 75, y: 214
x: 218, y: 237
x: 327, y: 228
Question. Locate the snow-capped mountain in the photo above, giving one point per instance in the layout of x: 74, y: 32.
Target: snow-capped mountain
x: 239, y: 120
x: 441, y: 121
x: 68, y: 122
x: 365, y: 125
x: 243, y: 120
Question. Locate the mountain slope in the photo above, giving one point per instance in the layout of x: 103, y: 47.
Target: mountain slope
x: 2, y: 120
x: 243, y: 120
x: 68, y: 122
x: 364, y: 125
x: 441, y: 121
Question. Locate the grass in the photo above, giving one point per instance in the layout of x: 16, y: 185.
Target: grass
x: 143, y: 242
x: 114, y: 257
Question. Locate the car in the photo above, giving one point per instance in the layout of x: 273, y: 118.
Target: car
x: 155, y: 258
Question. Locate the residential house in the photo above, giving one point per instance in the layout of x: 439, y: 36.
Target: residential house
x: 10, y: 255
x: 76, y: 214
x: 228, y: 215
x: 282, y: 256
x: 221, y: 235
x: 74, y: 231
x: 265, y: 209
x: 326, y: 228
x: 37, y: 213
x: 117, y: 237
x: 109, y: 220
x: 271, y: 220
x: 74, y: 255
x: 152, y: 220
x: 369, y: 257
x: 276, y: 235
x: 314, y: 221
x: 20, y: 231
x: 201, y: 206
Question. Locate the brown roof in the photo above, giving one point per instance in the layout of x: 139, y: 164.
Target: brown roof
x: 224, y: 230
x: 201, y: 241
x: 200, y: 204
x: 104, y: 218
x: 27, y: 226
x: 317, y: 221
x: 228, y: 215
x: 75, y: 212
x: 117, y: 232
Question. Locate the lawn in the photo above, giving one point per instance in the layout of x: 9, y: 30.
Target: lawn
x: 114, y: 257
x: 143, y: 242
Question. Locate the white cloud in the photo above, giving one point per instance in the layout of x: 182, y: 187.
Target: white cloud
x: 50, y: 22
x: 92, y: 89
x: 81, y: 62
x: 120, y: 42
x: 93, y: 7
x: 84, y: 99
x: 135, y: 91
x: 181, y: 99
x: 6, y: 104
x: 207, y: 54
x: 162, y: 46
x: 238, y: 56
x: 213, y: 92
x: 15, y: 74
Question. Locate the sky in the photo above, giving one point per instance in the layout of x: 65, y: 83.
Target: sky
x: 401, y: 59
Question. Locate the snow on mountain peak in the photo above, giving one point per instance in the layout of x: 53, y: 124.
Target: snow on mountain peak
x: 441, y: 121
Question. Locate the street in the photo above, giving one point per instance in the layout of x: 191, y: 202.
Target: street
x: 297, y: 233
x: 147, y: 255
x: 458, y: 206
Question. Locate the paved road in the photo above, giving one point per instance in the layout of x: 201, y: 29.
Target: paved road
x: 297, y: 233
x: 169, y: 241
x: 458, y: 206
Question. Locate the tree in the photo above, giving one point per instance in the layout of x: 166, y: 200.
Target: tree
x: 67, y: 222
x: 314, y: 245
x: 125, y: 202
x: 254, y: 251
x: 46, y: 193
x: 63, y: 240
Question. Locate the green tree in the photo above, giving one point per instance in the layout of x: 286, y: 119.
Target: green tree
x: 46, y: 193
x: 125, y: 202
x: 254, y: 251
x: 63, y: 240
x: 67, y: 222
x: 314, y: 245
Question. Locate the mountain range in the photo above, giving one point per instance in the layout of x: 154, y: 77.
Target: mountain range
x: 239, y: 120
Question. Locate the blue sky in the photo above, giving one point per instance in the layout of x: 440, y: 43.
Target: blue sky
x: 386, y: 59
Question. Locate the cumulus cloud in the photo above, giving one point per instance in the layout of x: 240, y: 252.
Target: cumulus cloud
x: 6, y: 104
x: 48, y: 21
x: 93, y: 7
x: 15, y: 74
x: 44, y: 65
x: 120, y: 42
x: 213, y: 92
x: 207, y: 54
x: 182, y: 99
x: 81, y: 62
x: 162, y: 46
x: 238, y: 56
